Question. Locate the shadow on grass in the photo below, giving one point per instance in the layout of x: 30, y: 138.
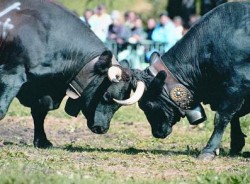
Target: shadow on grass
x: 132, y: 151
x: 135, y: 151
x: 129, y: 151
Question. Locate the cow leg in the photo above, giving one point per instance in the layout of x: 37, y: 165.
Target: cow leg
x: 40, y: 138
x: 220, y: 123
x: 222, y: 118
x: 10, y: 84
x: 237, y: 137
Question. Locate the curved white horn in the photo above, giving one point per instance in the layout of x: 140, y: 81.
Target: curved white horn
x: 136, y: 96
x: 114, y: 74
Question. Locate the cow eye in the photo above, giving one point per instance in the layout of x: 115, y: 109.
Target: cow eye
x: 107, y: 97
x: 150, y: 105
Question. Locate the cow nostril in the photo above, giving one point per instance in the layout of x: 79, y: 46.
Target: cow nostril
x: 99, y: 129
x: 107, y: 97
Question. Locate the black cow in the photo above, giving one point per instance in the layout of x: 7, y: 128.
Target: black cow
x: 45, y: 52
x: 210, y: 64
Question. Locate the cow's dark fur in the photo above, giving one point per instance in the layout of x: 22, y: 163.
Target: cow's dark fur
x: 213, y: 62
x: 44, y: 51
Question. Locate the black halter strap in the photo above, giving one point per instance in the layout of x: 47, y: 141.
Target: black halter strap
x: 85, y: 76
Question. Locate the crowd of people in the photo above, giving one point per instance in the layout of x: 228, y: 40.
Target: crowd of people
x: 127, y: 30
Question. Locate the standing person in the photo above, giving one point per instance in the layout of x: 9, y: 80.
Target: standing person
x: 134, y: 50
x: 99, y: 22
x: 117, y: 31
x: 86, y: 16
x: 151, y: 24
x: 137, y: 32
x: 165, y: 32
x: 130, y: 18
x: 178, y: 26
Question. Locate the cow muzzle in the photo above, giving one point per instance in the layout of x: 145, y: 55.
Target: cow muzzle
x: 99, y: 129
x: 161, y: 134
x: 100, y: 122
x: 196, y: 115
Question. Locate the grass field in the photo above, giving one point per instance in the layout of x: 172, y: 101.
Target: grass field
x: 126, y: 154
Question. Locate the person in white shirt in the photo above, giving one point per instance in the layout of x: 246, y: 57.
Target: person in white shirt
x: 99, y: 22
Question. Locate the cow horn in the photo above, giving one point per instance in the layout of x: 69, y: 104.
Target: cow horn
x: 114, y: 74
x: 136, y: 96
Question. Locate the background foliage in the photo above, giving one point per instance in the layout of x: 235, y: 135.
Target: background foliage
x: 145, y: 7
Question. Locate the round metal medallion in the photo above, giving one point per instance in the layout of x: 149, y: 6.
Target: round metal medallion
x: 181, y: 96
x: 178, y: 93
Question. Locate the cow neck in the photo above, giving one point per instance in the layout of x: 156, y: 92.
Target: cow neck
x: 86, y: 75
x: 178, y: 93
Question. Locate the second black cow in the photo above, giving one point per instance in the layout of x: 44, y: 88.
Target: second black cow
x: 210, y: 64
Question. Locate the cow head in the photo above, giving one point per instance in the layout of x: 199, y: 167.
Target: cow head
x: 161, y: 113
x: 160, y: 107
x: 97, y: 102
x: 159, y: 110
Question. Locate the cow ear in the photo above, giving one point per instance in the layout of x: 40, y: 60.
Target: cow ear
x: 104, y: 62
x: 157, y: 83
x: 125, y: 63
x: 161, y: 77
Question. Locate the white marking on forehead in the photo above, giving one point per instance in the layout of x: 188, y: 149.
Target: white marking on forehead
x: 7, y: 24
x: 15, y: 6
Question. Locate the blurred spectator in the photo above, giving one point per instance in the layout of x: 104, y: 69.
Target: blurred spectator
x: 137, y: 32
x: 100, y: 21
x: 117, y: 31
x: 130, y: 18
x: 151, y: 24
x: 86, y: 16
x: 193, y: 19
x: 165, y: 32
x: 133, y: 52
x: 178, y: 27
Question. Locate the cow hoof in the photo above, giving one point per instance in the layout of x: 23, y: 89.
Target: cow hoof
x: 43, y: 144
x: 206, y: 156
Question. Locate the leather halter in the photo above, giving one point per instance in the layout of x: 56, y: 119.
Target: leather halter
x: 181, y: 96
x: 86, y: 76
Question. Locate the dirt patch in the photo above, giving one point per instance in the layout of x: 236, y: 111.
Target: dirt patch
x: 127, y: 151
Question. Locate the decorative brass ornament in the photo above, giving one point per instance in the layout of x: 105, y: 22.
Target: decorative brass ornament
x: 181, y: 96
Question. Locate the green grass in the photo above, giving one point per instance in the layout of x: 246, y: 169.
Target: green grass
x: 126, y: 154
